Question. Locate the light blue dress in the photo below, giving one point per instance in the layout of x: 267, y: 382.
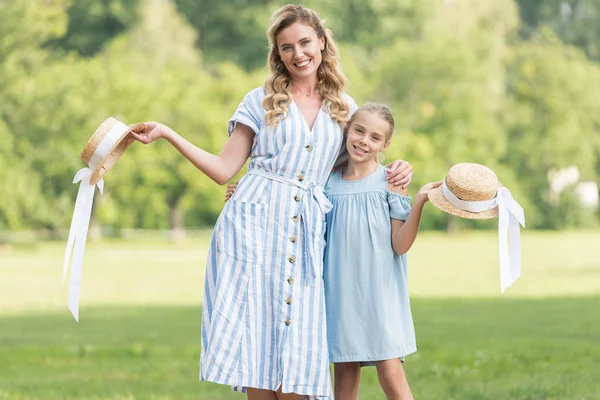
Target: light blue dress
x: 366, y: 291
x: 263, y: 322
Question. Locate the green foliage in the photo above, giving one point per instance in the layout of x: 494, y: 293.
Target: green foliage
x: 576, y: 22
x: 552, y: 116
x: 464, y: 87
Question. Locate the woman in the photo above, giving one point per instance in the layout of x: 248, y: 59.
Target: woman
x: 263, y: 327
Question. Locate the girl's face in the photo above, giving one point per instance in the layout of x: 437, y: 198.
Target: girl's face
x: 300, y: 50
x: 366, y: 137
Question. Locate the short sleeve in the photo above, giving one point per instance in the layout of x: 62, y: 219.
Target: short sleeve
x: 399, y: 206
x: 249, y: 112
x: 352, y: 105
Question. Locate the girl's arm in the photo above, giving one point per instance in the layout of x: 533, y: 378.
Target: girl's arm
x: 404, y: 233
x: 219, y: 168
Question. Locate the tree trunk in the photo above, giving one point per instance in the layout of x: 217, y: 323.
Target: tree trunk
x: 176, y: 222
x: 452, y: 226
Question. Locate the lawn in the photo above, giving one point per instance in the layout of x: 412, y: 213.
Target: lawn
x: 139, y: 330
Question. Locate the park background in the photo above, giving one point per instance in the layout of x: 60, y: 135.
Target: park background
x: 510, y: 84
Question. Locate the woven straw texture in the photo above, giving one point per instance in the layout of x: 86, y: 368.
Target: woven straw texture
x: 115, y: 152
x: 468, y: 182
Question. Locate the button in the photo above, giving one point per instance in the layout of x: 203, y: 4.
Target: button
x: 300, y: 177
x: 292, y: 259
x: 288, y: 322
x: 309, y: 148
x: 288, y: 301
x: 293, y: 239
x: 297, y: 198
x: 295, y: 218
x: 291, y: 281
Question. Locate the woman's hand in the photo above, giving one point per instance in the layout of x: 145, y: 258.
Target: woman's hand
x: 148, y: 132
x: 400, y: 173
x: 230, y: 190
x: 423, y: 193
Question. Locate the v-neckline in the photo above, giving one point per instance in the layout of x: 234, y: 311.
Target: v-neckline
x: 310, y: 128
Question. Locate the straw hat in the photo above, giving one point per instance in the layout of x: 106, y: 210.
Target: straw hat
x: 468, y: 182
x: 106, y: 146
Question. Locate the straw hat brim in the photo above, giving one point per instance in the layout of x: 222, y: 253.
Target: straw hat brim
x: 114, y: 153
x: 437, y: 198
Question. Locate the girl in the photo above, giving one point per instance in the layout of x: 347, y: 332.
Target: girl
x: 369, y: 320
x: 263, y: 322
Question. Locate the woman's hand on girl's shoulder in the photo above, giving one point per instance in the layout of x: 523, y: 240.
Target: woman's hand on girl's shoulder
x: 400, y: 173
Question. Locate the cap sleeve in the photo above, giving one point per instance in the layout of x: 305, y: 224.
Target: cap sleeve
x: 352, y: 105
x: 399, y: 206
x: 250, y: 112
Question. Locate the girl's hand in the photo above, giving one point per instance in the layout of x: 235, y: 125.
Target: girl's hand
x: 423, y: 193
x: 148, y: 132
x: 400, y: 173
x: 230, y: 190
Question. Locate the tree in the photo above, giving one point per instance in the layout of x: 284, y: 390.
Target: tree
x: 552, y: 118
x: 575, y: 22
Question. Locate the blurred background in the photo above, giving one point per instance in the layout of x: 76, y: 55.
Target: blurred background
x: 512, y: 84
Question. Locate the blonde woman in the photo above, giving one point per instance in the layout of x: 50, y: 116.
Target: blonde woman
x: 263, y: 326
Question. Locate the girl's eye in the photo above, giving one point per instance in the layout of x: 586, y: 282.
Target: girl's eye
x: 358, y: 130
x: 305, y: 42
x: 376, y: 138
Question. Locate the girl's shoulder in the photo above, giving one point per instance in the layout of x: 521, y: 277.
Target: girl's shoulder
x: 333, y: 181
x: 391, y: 188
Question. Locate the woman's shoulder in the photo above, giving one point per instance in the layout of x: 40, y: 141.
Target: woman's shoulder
x: 256, y: 95
x: 346, y: 97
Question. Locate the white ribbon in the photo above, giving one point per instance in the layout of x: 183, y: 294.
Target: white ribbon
x: 78, y: 235
x: 83, y: 210
x: 510, y: 215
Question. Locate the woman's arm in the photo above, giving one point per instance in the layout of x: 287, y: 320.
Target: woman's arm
x: 219, y: 168
x: 404, y: 233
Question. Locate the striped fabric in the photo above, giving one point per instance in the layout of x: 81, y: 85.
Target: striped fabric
x: 263, y: 320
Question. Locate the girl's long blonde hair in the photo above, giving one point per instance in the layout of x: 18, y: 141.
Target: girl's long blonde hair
x: 383, y: 112
x: 278, y: 84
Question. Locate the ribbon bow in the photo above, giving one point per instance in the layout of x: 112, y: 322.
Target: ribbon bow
x: 78, y: 235
x: 510, y: 215
x: 313, y: 251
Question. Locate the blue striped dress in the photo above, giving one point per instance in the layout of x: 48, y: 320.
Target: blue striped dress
x: 263, y: 322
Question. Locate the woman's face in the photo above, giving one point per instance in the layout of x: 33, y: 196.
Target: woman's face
x: 300, y: 50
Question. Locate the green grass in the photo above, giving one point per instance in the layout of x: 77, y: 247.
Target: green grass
x: 139, y: 335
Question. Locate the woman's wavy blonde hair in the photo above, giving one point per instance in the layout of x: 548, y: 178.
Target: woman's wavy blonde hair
x: 278, y: 84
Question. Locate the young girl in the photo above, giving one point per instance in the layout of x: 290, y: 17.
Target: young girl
x: 369, y: 230
x: 369, y: 320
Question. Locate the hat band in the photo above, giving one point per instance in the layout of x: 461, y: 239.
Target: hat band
x: 114, y: 134
x: 471, y: 206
